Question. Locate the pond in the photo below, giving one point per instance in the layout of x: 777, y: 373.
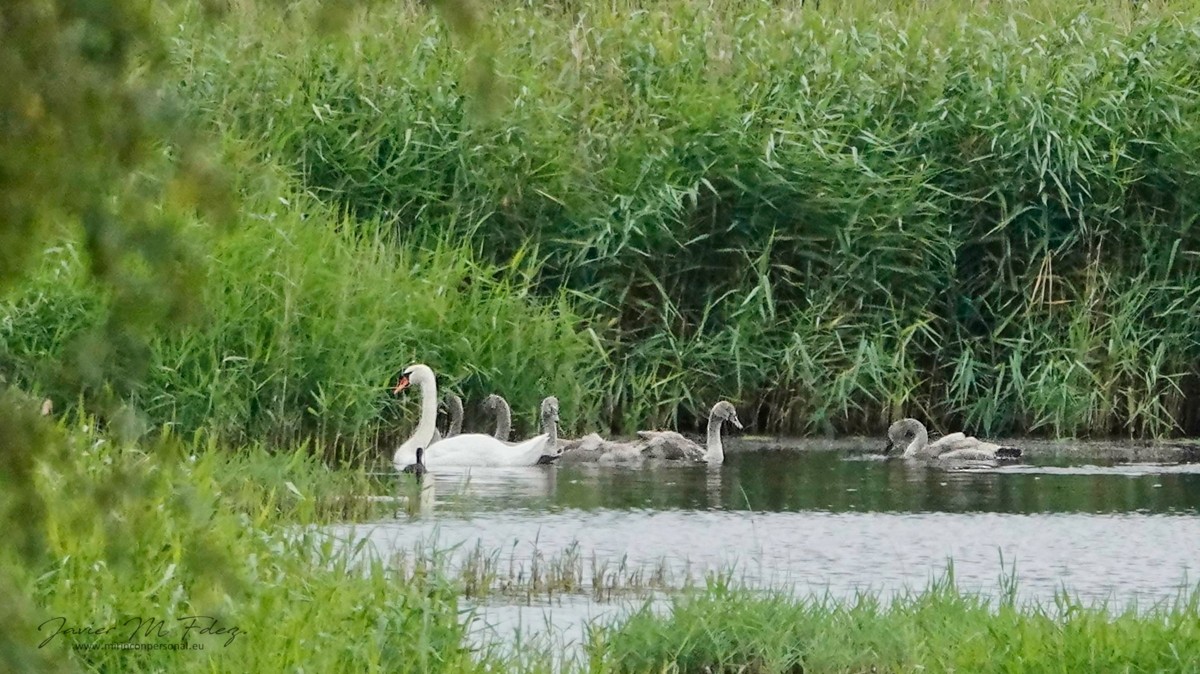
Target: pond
x: 811, y: 522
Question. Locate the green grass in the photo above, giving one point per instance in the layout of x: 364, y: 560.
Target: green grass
x: 940, y: 629
x: 984, y: 216
x: 487, y: 574
x: 302, y: 330
x: 158, y: 532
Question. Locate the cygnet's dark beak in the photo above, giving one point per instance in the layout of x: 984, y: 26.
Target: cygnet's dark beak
x: 889, y: 447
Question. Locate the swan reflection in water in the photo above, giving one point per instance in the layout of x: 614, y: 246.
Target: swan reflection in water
x: 414, y: 495
x: 502, y: 486
x: 712, y: 487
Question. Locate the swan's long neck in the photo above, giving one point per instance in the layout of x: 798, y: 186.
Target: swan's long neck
x: 550, y: 428
x: 715, y: 453
x: 503, y: 420
x: 454, y: 409
x: 428, y: 422
x: 918, y: 443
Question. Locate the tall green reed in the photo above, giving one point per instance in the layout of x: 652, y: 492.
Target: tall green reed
x: 304, y: 328
x: 980, y: 215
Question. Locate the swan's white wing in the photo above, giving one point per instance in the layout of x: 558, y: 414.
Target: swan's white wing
x: 478, y: 449
x: 531, y: 451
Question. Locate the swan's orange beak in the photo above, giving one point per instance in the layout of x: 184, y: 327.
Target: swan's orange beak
x: 401, y: 385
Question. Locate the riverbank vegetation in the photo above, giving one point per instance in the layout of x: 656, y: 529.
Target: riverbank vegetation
x: 136, y: 540
x: 301, y: 329
x: 226, y: 225
x: 182, y: 534
x: 939, y: 629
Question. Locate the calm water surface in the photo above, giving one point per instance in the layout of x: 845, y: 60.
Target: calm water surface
x: 816, y: 522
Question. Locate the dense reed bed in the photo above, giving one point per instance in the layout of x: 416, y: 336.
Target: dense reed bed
x: 302, y: 330
x: 983, y: 217
x: 980, y: 214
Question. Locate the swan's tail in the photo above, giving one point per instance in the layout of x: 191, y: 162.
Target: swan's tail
x: 1008, y: 453
x: 536, y: 451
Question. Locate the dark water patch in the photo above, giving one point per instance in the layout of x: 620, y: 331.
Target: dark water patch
x: 1101, y: 559
x: 808, y: 522
x: 829, y: 481
x: 1033, y: 448
x: 1095, y: 556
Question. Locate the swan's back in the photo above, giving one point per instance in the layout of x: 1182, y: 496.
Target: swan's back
x: 967, y: 455
x: 958, y: 440
x: 479, y: 449
x: 592, y: 448
x: 663, y: 436
x: 974, y: 449
x: 583, y: 450
x: 621, y: 453
x: 671, y: 449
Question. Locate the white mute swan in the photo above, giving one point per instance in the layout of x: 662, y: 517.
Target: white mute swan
x: 469, y: 449
x: 912, y: 436
x: 499, y: 406
x: 670, y: 445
